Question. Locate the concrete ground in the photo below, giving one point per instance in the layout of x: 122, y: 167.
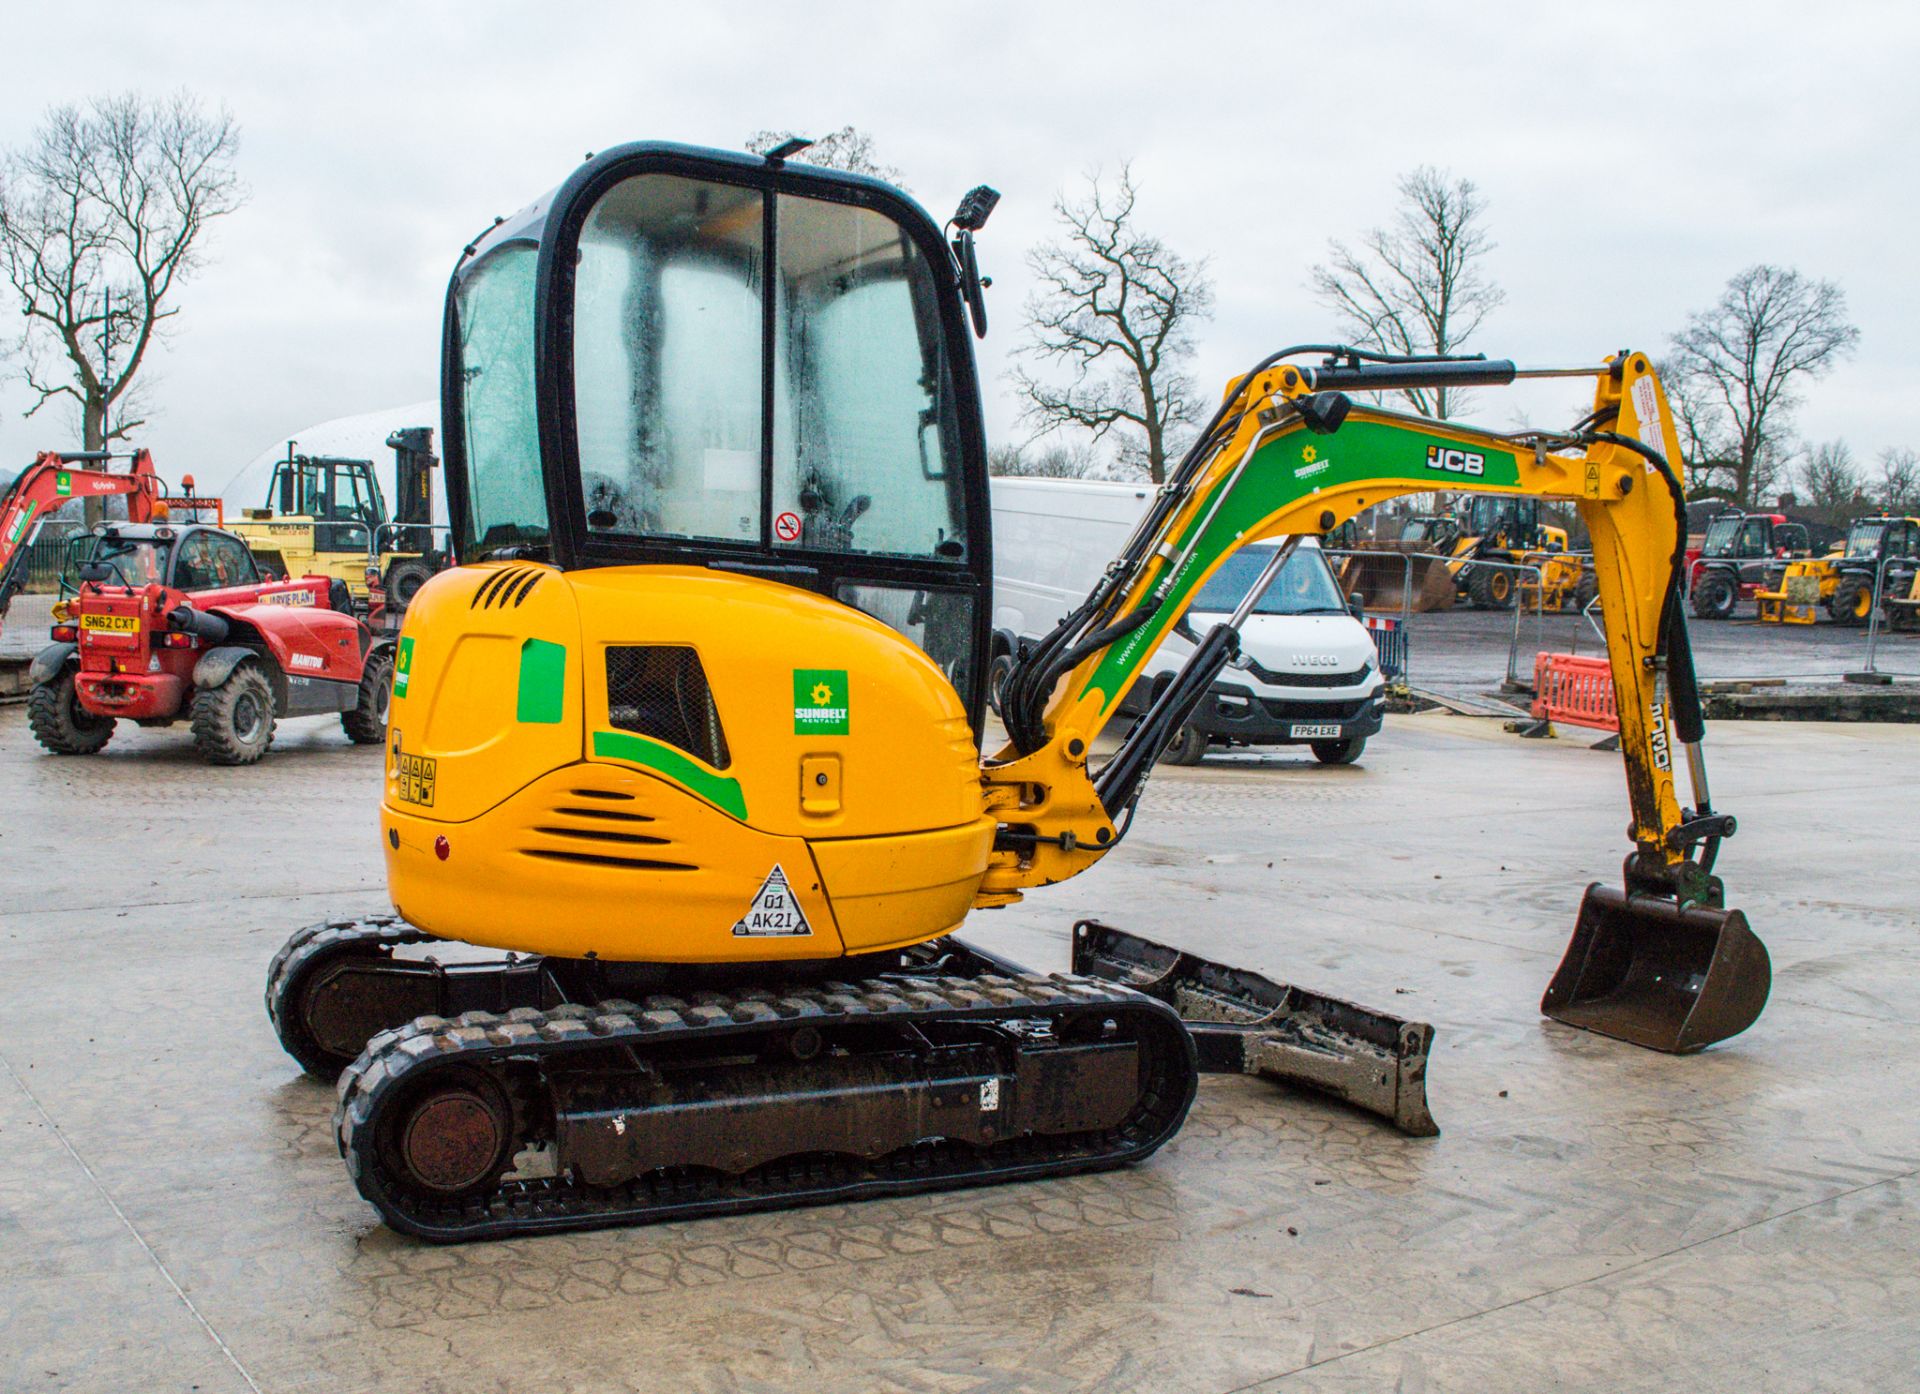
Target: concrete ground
x: 173, y: 1215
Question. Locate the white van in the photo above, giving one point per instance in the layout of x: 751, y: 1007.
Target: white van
x: 1307, y: 672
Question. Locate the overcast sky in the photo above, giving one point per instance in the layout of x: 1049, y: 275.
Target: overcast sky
x: 1632, y: 156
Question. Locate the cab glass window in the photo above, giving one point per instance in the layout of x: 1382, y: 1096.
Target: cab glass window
x: 667, y: 359
x: 506, y: 497
x: 862, y: 414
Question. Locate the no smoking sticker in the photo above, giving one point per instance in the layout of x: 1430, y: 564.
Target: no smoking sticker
x: 786, y: 527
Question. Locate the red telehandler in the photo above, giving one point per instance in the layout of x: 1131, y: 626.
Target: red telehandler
x: 176, y: 623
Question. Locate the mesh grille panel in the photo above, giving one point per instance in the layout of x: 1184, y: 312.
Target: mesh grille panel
x: 660, y: 690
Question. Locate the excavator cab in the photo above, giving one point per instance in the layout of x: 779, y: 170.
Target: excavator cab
x: 741, y: 365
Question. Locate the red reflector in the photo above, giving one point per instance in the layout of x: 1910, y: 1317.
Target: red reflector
x: 442, y: 848
x: 65, y: 634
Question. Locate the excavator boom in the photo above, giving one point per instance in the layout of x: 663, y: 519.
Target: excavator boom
x: 55, y: 478
x: 1660, y: 963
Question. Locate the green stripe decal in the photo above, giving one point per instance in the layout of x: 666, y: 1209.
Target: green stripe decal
x: 543, y: 683
x: 1293, y: 466
x: 722, y: 791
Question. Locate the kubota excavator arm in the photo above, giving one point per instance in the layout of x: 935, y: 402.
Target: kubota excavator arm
x: 52, y: 480
x: 1289, y: 454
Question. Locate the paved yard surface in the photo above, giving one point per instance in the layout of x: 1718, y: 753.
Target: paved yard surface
x: 173, y: 1216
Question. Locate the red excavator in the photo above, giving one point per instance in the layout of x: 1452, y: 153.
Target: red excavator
x: 57, y: 477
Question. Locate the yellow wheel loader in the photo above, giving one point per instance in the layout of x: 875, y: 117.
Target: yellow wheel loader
x: 1437, y: 556
x: 691, y: 735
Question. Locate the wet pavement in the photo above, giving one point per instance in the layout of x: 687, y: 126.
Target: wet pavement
x: 174, y: 1216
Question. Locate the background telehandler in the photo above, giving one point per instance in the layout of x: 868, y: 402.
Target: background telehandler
x: 693, y: 732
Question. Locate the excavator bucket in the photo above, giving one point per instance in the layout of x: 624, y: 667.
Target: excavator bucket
x: 1644, y: 969
x: 1382, y: 575
x: 1243, y: 1023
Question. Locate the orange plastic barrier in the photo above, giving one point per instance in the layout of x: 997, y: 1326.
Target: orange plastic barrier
x: 1578, y: 691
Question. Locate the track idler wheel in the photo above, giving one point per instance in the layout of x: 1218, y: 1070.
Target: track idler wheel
x: 454, y: 1138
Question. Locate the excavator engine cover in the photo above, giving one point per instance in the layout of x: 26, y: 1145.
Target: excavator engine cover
x: 1645, y: 969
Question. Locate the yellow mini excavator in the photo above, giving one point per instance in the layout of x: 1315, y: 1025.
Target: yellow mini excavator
x: 692, y: 735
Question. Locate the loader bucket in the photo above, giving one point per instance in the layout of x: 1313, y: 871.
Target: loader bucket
x: 1243, y: 1023
x: 1382, y: 576
x: 1644, y: 969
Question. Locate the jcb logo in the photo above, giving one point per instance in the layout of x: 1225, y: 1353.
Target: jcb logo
x: 1657, y: 736
x: 1456, y: 461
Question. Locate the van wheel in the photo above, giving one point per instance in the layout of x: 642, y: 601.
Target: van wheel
x: 1338, y: 752
x: 1188, y: 746
x: 998, y: 672
x: 233, y: 723
x: 366, y: 724
x: 60, y: 723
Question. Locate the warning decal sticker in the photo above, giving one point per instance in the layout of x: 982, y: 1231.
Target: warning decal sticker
x: 775, y: 911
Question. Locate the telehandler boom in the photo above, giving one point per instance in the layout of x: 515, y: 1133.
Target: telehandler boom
x: 693, y: 733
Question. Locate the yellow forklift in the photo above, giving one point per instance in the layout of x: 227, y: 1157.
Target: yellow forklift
x: 326, y: 515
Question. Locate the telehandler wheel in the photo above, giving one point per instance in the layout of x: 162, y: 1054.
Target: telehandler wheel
x: 1852, y: 601
x: 1339, y: 752
x: 404, y: 579
x: 998, y: 672
x: 366, y: 724
x: 1188, y: 746
x: 60, y: 723
x: 1715, y: 597
x: 233, y: 723
x: 1489, y: 589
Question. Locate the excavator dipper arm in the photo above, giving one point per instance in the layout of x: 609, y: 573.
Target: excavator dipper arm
x: 1288, y: 454
x: 55, y: 478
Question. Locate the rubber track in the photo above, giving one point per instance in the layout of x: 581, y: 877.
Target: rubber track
x: 395, y: 1058
x: 308, y: 948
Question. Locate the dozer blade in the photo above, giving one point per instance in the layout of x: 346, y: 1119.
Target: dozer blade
x: 1641, y: 968
x: 1243, y: 1023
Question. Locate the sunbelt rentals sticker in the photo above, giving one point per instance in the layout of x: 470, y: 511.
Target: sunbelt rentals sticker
x: 819, y: 701
x: 402, y: 667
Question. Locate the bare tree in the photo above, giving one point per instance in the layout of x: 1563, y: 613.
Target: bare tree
x: 102, y: 215
x: 848, y: 148
x: 1076, y: 461
x: 1831, y: 484
x: 1114, y: 307
x: 1417, y: 286
x: 1899, y: 489
x: 1743, y: 361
